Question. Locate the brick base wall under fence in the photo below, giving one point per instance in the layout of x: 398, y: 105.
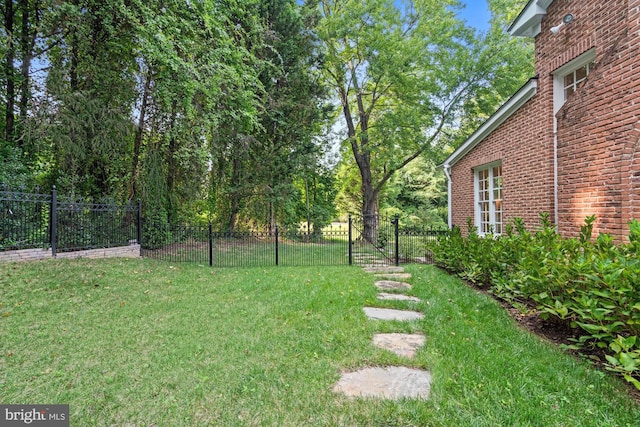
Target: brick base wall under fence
x: 131, y: 251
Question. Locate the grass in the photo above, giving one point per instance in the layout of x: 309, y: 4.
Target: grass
x: 142, y: 342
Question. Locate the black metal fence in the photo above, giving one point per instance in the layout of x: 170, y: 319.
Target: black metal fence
x: 395, y: 242
x: 25, y: 220
x: 250, y: 248
x: 36, y: 220
x: 339, y: 244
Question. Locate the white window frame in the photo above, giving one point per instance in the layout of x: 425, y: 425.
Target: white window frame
x: 494, y: 223
x: 570, y: 67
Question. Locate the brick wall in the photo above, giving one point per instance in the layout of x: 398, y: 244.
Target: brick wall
x: 527, y: 167
x: 598, y: 127
x: 131, y: 251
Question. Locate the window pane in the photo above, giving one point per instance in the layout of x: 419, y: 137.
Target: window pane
x: 568, y: 91
x: 569, y: 80
x: 489, y: 197
x: 581, y: 73
x: 497, y: 183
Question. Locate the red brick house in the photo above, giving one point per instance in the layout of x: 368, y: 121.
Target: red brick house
x: 568, y: 142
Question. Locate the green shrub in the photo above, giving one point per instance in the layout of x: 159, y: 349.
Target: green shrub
x: 155, y: 230
x: 593, y: 285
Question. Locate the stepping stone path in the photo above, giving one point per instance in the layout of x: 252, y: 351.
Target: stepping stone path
x: 396, y: 297
x: 369, y: 260
x: 391, y: 285
x: 391, y: 314
x: 393, y: 382
x: 405, y: 345
x: 394, y: 276
x: 383, y: 269
x: 374, y: 264
x: 388, y: 383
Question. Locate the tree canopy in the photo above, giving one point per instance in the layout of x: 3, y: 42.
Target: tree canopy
x: 221, y: 110
x: 405, y: 72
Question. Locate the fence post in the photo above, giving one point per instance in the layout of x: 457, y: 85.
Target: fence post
x: 350, y: 242
x: 139, y: 225
x: 210, y: 245
x: 53, y: 231
x: 396, y: 222
x: 276, y: 244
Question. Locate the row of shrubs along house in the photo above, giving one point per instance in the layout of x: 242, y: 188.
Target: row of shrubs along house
x: 568, y: 141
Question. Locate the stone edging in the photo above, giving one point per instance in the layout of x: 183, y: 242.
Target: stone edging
x: 130, y: 251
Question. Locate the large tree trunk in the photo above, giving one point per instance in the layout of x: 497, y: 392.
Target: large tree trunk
x: 369, y: 206
x: 360, y: 148
x: 172, y: 167
x: 137, y: 140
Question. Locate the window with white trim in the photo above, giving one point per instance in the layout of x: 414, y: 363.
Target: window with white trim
x: 568, y: 78
x: 488, y: 186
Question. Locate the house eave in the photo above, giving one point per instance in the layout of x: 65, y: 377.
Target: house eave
x: 528, y: 22
x: 524, y: 94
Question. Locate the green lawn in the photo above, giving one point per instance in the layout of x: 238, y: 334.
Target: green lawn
x: 254, y: 253
x: 141, y: 342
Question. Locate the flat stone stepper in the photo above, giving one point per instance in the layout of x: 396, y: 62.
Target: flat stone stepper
x: 392, y: 285
x: 392, y: 314
x: 384, y: 269
x: 394, y: 382
x: 374, y: 264
x: 393, y: 276
x: 384, y: 296
x: 405, y: 345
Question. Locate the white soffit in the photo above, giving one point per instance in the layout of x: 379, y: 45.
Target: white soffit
x: 507, y: 109
x: 527, y: 24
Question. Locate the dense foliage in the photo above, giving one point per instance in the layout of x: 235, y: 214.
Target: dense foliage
x: 590, y: 284
x: 225, y: 111
x: 413, y: 80
x: 204, y: 109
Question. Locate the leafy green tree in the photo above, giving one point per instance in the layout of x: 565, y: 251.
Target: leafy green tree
x: 293, y: 107
x: 418, y: 193
x: 24, y: 23
x: 320, y: 193
x: 9, y: 47
x: 254, y: 174
x: 403, y: 72
x: 84, y: 114
x: 511, y: 66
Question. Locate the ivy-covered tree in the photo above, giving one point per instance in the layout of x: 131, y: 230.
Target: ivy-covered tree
x: 256, y: 169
